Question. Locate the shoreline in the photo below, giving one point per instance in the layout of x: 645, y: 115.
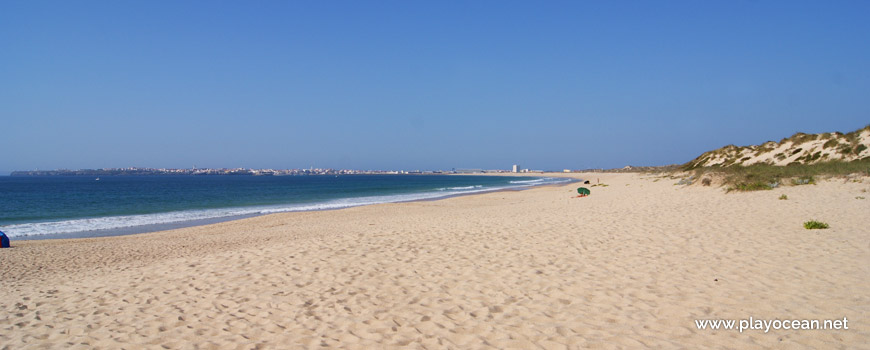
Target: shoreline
x: 631, y: 266
x: 157, y: 227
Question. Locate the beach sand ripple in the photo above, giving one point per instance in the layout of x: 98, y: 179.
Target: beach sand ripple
x: 631, y: 266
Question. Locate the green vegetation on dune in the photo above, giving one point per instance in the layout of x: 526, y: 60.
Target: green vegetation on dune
x: 815, y: 225
x: 801, y: 148
x: 800, y: 138
x: 765, y: 176
x: 840, y: 154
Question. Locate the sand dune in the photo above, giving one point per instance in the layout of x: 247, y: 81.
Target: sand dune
x: 631, y: 266
x: 800, y: 148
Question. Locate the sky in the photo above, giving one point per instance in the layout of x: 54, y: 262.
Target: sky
x: 420, y: 84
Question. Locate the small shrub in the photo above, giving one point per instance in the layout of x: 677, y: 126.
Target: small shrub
x: 783, y: 197
x: 860, y: 148
x: 752, y: 186
x: 800, y: 138
x: 706, y: 181
x: 852, y: 137
x: 686, y: 181
x: 815, y: 225
x: 859, y: 197
x: 803, y: 180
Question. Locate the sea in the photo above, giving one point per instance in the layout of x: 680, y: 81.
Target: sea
x: 41, y: 207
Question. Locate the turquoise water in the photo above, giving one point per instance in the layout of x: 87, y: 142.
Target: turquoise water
x: 66, y: 204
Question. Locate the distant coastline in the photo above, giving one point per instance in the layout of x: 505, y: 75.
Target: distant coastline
x: 135, y: 171
x: 211, y: 171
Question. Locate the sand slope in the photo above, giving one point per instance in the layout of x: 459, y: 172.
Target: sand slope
x: 630, y: 267
x: 800, y: 148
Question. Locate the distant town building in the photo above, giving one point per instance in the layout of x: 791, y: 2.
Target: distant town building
x: 516, y: 168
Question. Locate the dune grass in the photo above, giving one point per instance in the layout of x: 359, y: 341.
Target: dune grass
x: 758, y: 177
x: 815, y: 225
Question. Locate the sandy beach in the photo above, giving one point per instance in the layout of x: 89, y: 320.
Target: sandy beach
x: 632, y: 266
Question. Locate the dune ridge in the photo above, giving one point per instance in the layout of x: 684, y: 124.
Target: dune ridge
x: 800, y: 148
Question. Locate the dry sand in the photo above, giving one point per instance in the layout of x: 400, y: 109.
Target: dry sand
x: 632, y: 266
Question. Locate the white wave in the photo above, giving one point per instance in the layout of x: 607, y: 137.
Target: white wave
x: 116, y: 222
x: 529, y: 181
x: 541, y: 181
x: 460, y: 188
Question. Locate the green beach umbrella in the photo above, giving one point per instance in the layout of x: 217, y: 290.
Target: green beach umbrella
x: 583, y: 191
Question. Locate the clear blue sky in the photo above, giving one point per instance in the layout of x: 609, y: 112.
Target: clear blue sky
x: 420, y: 84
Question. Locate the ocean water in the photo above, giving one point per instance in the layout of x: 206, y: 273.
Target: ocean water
x: 57, y: 205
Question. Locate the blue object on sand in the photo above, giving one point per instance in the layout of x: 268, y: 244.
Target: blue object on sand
x: 4, y: 241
